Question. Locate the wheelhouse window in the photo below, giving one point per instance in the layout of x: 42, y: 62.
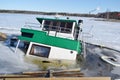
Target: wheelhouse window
x: 66, y: 27
x: 39, y: 50
x: 63, y: 27
x: 46, y: 25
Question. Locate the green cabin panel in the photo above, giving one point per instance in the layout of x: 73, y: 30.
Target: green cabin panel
x: 43, y: 38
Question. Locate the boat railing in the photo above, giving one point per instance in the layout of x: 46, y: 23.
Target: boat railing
x: 59, y: 29
x: 30, y: 25
x: 48, y: 28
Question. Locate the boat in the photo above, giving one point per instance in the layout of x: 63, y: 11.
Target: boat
x: 55, y: 43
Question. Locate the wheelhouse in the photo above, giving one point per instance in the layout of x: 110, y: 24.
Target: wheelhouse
x: 43, y: 45
x: 60, y: 27
x: 56, y: 39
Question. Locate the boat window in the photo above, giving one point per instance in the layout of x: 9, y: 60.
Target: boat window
x: 66, y: 27
x: 46, y: 25
x: 23, y: 46
x: 55, y: 23
x: 39, y: 50
x: 25, y: 34
x: 69, y: 25
x: 62, y: 24
x: 55, y: 26
x: 63, y: 27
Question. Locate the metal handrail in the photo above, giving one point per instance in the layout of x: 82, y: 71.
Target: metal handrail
x: 57, y: 28
x: 30, y: 25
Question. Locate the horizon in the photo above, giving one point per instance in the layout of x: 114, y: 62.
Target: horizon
x: 76, y: 6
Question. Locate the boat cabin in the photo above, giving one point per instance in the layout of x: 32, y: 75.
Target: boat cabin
x: 42, y: 43
x: 64, y: 28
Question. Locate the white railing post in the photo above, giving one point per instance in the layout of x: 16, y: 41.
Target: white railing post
x: 17, y: 46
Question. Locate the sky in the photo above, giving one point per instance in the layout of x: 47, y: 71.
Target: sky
x: 70, y: 6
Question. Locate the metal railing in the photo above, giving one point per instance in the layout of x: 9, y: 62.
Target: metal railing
x: 30, y: 25
x: 57, y: 28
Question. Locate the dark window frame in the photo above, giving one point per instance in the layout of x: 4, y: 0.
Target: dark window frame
x: 42, y: 54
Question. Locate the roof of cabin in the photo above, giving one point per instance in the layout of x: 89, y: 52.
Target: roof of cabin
x: 51, y: 19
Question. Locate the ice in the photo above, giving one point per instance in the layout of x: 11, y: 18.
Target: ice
x: 103, y: 33
x: 95, y: 31
x: 11, y: 62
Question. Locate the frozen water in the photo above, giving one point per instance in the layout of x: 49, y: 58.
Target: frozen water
x: 95, y: 31
x: 95, y: 66
x: 103, y: 33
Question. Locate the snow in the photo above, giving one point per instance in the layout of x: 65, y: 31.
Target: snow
x: 103, y: 33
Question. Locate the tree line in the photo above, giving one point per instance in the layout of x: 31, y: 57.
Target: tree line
x: 47, y: 13
x: 108, y: 15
